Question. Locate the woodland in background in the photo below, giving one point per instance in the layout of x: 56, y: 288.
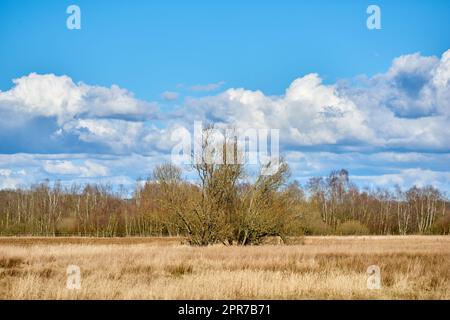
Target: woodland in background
x: 223, y: 206
x: 324, y: 206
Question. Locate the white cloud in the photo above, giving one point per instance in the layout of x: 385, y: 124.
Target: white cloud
x: 49, y: 95
x: 27, y: 169
x: 65, y: 167
x: 414, y: 86
x: 391, y: 128
x: 383, y: 169
x: 170, y: 95
x: 120, y: 135
x: 309, y: 113
x: 407, y: 178
x: 378, y: 169
x: 5, y: 172
x: 405, y: 108
x: 207, y: 87
x: 10, y: 179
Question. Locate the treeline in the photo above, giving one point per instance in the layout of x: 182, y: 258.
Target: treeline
x: 224, y: 206
x: 324, y: 206
x: 341, y: 208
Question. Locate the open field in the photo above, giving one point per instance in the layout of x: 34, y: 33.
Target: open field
x: 412, y: 267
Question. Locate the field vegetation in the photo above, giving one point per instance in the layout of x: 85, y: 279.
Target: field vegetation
x: 332, y: 267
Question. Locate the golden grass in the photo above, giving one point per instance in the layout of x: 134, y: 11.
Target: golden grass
x: 412, y: 267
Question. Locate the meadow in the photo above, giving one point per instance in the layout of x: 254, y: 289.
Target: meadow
x: 332, y: 267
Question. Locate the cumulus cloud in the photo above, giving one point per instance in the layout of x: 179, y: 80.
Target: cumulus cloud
x: 404, y: 108
x: 49, y: 95
x: 394, y: 125
x: 414, y: 86
x: 309, y: 112
x: 119, y: 135
x: 94, y: 115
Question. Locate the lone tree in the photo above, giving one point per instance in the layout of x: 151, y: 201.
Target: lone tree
x: 220, y: 208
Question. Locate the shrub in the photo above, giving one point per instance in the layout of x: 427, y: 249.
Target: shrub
x: 312, y: 224
x: 221, y: 208
x: 442, y: 225
x: 352, y: 227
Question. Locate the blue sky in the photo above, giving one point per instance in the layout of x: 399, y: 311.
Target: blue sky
x: 99, y: 103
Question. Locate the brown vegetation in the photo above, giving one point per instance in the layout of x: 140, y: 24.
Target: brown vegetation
x: 158, y: 209
x: 412, y: 267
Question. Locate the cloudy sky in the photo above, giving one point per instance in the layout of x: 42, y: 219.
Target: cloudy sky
x: 101, y: 103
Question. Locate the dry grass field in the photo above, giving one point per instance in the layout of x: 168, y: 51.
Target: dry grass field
x: 412, y: 267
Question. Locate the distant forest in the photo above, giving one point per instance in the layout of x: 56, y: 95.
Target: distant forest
x: 223, y: 206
